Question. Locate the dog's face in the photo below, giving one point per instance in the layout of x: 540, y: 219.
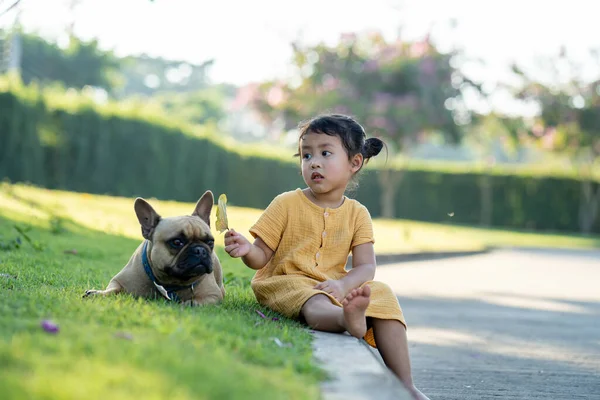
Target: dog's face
x: 182, y: 247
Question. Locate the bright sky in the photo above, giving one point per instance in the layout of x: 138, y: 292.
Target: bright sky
x: 250, y: 39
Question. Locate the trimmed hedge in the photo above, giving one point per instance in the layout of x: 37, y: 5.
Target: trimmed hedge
x: 88, y: 148
x: 518, y: 201
x: 88, y: 151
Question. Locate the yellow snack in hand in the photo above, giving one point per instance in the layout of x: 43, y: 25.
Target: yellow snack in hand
x: 222, y: 224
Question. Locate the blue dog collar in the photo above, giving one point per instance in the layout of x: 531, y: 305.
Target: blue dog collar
x: 169, y: 291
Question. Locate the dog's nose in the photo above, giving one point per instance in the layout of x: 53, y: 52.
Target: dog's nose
x: 199, y: 251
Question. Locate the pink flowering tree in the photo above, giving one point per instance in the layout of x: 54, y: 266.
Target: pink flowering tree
x: 399, y: 91
x: 568, y: 120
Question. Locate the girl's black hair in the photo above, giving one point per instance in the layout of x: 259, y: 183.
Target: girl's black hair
x: 353, y: 136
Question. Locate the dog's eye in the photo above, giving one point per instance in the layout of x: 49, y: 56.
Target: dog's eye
x: 176, y: 243
x: 210, y: 243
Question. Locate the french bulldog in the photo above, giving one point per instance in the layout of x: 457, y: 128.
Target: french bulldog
x: 176, y: 260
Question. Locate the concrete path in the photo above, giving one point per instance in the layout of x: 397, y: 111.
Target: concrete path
x: 510, y: 324
x: 355, y: 373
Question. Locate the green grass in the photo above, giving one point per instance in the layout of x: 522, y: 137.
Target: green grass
x: 71, y: 242
x: 397, y: 236
x: 122, y: 347
x: 114, y: 215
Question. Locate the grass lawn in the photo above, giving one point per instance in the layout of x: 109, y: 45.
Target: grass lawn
x: 121, y: 347
x: 397, y: 236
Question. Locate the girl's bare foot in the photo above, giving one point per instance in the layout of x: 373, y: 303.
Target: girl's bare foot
x: 355, y: 304
x: 417, y: 395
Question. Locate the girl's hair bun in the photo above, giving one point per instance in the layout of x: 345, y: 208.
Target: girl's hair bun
x: 372, y: 147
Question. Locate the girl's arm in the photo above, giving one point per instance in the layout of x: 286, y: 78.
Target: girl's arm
x: 363, y: 267
x: 255, y: 255
x: 259, y: 255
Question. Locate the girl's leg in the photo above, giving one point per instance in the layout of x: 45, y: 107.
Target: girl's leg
x: 390, y: 336
x: 321, y: 314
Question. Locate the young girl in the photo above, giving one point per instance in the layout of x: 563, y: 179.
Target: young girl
x: 303, y: 239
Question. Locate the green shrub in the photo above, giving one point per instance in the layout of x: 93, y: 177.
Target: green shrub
x: 63, y: 140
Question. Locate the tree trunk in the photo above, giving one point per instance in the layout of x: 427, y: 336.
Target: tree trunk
x: 485, y: 186
x: 389, y: 181
x: 588, y: 209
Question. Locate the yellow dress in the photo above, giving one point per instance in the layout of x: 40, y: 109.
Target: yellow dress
x: 312, y: 245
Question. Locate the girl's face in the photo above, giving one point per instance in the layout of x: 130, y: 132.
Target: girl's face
x: 325, y: 165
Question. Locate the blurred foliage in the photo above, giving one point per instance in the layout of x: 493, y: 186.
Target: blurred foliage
x: 569, y: 118
x: 167, y: 111
x: 53, y: 98
x: 66, y: 141
x: 397, y: 90
x: 145, y: 75
x: 80, y: 64
x: 205, y: 106
x: 179, y: 88
x: 498, y: 138
x: 568, y: 121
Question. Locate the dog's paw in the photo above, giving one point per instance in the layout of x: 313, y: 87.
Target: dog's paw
x: 190, y: 303
x: 90, y: 293
x: 205, y: 301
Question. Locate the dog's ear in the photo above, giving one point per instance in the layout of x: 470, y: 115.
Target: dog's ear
x: 147, y: 216
x: 204, y: 206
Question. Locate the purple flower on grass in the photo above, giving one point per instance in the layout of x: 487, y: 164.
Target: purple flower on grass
x: 49, y: 326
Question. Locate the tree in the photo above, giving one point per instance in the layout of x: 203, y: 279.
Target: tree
x: 145, y: 75
x: 80, y: 64
x: 201, y: 107
x: 401, y: 91
x: 495, y: 138
x: 568, y: 120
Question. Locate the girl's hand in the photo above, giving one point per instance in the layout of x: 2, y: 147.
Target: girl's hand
x: 236, y: 245
x: 333, y: 287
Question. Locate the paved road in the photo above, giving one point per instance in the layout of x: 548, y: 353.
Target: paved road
x: 511, y: 324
